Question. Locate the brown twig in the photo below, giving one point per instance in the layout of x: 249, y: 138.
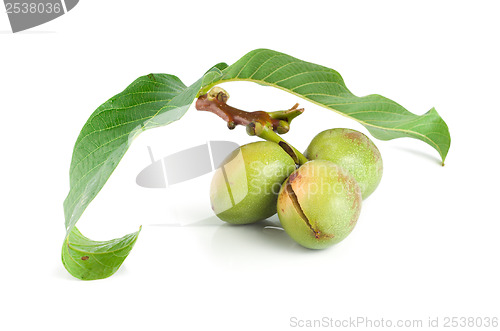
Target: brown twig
x: 215, y: 101
x: 258, y: 123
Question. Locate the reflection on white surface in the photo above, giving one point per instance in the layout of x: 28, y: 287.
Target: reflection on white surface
x: 259, y: 245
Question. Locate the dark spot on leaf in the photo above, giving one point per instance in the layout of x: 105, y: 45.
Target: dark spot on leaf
x: 85, y: 258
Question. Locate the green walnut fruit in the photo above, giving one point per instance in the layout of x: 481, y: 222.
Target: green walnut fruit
x: 319, y: 204
x: 353, y: 151
x: 245, y: 189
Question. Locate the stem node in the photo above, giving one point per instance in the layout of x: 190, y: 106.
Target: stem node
x: 258, y: 123
x: 215, y: 101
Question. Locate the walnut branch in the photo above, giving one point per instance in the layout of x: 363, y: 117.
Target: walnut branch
x: 215, y: 101
x: 258, y: 123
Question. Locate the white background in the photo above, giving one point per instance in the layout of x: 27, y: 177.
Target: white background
x: 426, y: 244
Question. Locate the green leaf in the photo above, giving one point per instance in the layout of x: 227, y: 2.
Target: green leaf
x: 384, y: 118
x: 150, y: 101
x: 87, y: 259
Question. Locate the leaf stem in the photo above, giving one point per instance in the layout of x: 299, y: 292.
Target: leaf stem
x: 264, y: 132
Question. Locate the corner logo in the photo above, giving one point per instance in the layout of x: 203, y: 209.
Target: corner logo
x: 25, y: 14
